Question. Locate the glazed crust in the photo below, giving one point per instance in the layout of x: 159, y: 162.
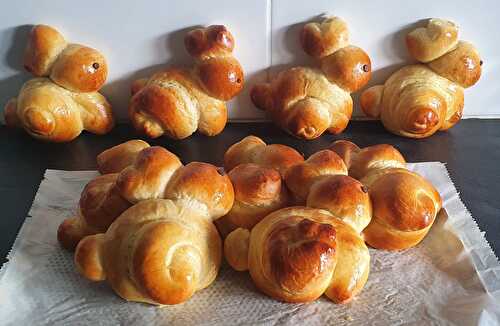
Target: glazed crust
x: 296, y: 254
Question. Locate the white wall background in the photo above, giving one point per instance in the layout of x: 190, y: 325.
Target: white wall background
x: 140, y: 37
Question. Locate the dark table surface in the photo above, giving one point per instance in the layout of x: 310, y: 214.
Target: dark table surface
x: 471, y: 150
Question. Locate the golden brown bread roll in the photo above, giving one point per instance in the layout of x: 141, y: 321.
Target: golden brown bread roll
x: 158, y: 251
x: 296, y: 254
x: 155, y: 173
x: 60, y: 107
x: 117, y: 158
x: 306, y: 101
x: 418, y: 100
x: 177, y: 102
x: 404, y: 204
x: 300, y: 177
x: 258, y: 191
x: 255, y: 170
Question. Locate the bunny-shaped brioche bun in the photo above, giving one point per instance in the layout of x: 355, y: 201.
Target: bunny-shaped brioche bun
x: 148, y: 228
x: 418, y: 100
x: 64, y: 100
x: 296, y: 254
x: 177, y: 102
x: 154, y: 173
x: 307, y: 101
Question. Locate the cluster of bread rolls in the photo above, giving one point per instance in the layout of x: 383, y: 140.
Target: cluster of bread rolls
x: 176, y: 102
x: 146, y: 226
x: 298, y: 253
x: 306, y: 102
x: 63, y: 99
x: 298, y: 226
x: 418, y: 100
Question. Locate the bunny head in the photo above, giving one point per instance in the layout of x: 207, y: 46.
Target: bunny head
x: 221, y: 75
x: 75, y: 67
x: 347, y: 66
x: 438, y: 46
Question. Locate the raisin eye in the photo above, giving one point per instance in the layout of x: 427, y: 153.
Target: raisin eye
x: 366, y: 68
x: 238, y: 80
x: 481, y: 62
x: 95, y: 65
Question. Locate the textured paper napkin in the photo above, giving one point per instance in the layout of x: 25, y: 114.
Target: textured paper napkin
x: 452, y: 277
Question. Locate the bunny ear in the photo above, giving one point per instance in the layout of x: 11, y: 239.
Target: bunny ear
x: 44, y: 45
x: 437, y: 38
x: 205, y: 42
x: 321, y: 39
x: 117, y: 158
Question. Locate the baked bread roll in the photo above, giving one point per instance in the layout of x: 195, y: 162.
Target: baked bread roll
x: 149, y: 230
x: 158, y: 251
x: 64, y: 101
x: 404, y: 204
x: 306, y: 102
x: 177, y: 102
x: 418, y: 100
x: 155, y: 173
x: 255, y: 170
x: 296, y: 254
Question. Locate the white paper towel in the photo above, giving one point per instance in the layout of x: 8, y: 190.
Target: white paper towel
x: 452, y: 277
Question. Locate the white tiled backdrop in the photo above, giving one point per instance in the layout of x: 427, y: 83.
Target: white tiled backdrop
x: 139, y: 37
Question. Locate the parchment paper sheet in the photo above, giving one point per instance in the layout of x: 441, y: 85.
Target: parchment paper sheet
x: 452, y: 277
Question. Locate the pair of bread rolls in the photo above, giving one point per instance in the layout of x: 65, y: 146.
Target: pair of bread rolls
x: 147, y: 226
x: 416, y: 101
x: 297, y: 254
x: 175, y: 102
x: 63, y: 99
